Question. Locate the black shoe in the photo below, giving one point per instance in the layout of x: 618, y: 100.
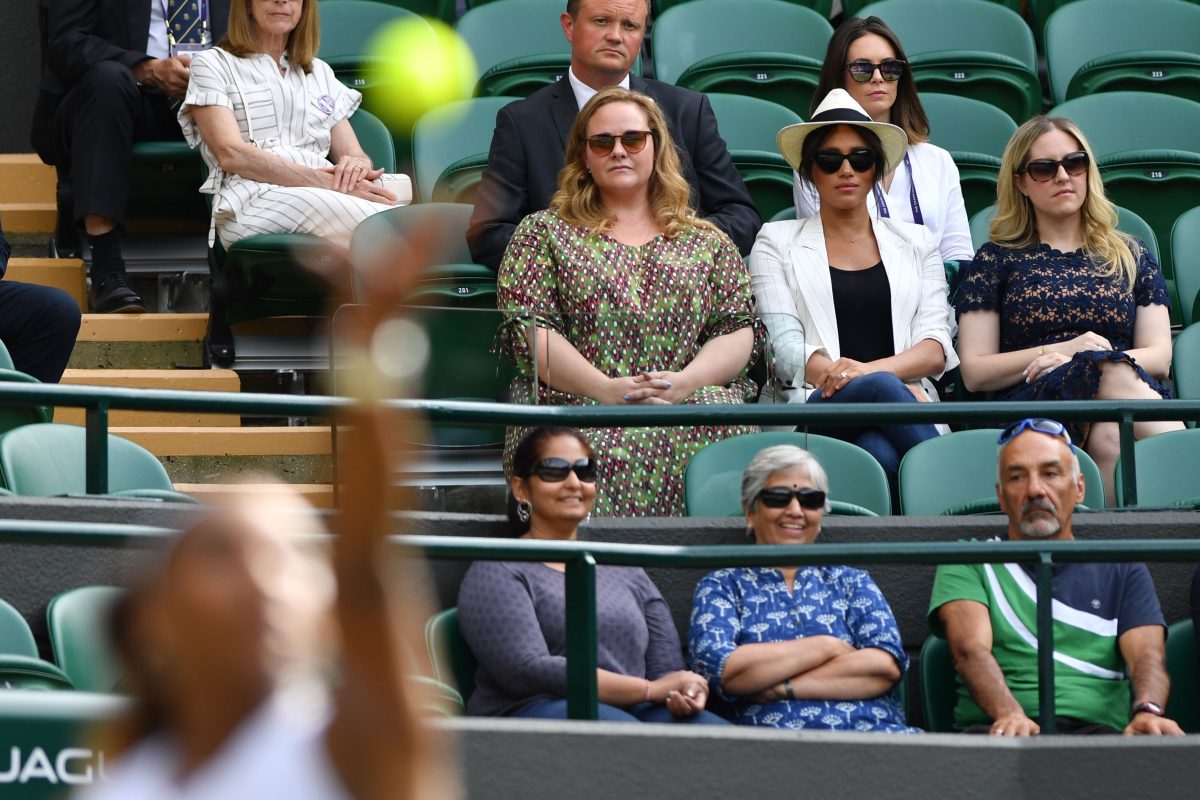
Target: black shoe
x: 111, y: 294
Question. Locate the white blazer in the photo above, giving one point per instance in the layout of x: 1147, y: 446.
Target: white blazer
x: 789, y: 273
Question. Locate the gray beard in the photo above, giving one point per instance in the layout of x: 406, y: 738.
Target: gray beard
x: 1039, y: 529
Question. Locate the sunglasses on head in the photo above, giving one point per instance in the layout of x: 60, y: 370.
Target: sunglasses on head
x: 632, y: 141
x: 1043, y: 169
x: 830, y: 161
x: 890, y: 69
x: 1050, y: 427
x: 781, y: 497
x: 554, y: 470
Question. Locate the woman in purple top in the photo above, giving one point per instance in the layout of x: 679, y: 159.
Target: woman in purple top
x: 512, y: 613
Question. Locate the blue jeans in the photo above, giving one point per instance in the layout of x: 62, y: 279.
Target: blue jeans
x: 642, y: 712
x: 887, y: 443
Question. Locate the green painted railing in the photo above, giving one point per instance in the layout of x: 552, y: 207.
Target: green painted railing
x: 98, y: 401
x: 581, y: 559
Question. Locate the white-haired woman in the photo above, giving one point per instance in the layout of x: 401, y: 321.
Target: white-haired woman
x: 797, y: 647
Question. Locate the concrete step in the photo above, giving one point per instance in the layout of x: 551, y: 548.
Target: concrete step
x: 211, y: 380
x: 319, y: 494
x: 205, y: 454
x: 67, y: 274
x: 28, y: 217
x: 25, y: 179
x: 139, y: 341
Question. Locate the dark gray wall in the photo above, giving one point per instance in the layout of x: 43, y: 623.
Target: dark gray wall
x: 20, y: 64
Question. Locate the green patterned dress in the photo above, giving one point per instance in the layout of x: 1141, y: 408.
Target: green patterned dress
x: 628, y: 310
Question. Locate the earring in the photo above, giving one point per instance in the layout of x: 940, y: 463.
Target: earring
x: 524, y: 510
x: 587, y: 519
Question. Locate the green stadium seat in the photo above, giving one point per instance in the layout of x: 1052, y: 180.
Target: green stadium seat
x: 976, y: 134
x: 967, y: 47
x: 955, y: 474
x: 748, y: 125
x: 1184, y: 669
x: 1149, y: 156
x: 822, y: 7
x: 453, y: 662
x: 346, y: 30
x: 47, y: 459
x: 443, y: 10
x: 437, y: 697
x: 1167, y: 465
x: 78, y: 625
x: 164, y: 180
x: 261, y: 276
x: 15, y: 637
x: 1115, y: 45
x: 939, y: 687
x: 1186, y: 363
x: 1127, y: 222
x: 768, y: 49
x: 16, y: 416
x: 450, y: 148
x: 519, y: 46
x: 1185, y: 250
x: 712, y: 482
x: 853, y: 8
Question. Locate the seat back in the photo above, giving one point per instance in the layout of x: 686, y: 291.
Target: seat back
x: 1185, y: 255
x: 964, y: 125
x: 450, y: 134
x: 959, y: 470
x: 374, y: 138
x: 939, y: 688
x: 48, y: 459
x: 822, y: 7
x: 1080, y: 34
x: 443, y: 10
x: 347, y: 27
x: 78, y: 620
x: 1167, y: 465
x: 1128, y: 222
x: 1118, y: 122
x: 16, y: 416
x: 713, y: 479
x: 750, y: 123
x: 1186, y: 363
x: 852, y: 8
x: 15, y: 637
x: 1184, y: 669
x: 453, y: 662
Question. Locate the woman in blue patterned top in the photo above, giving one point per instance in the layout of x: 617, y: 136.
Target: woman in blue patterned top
x: 797, y: 647
x: 1059, y: 304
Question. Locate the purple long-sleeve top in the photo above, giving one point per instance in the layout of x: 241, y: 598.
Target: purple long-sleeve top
x: 512, y: 617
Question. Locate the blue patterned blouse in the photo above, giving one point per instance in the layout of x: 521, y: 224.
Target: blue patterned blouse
x: 745, y: 605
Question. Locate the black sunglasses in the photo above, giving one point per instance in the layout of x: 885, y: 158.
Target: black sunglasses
x: 830, y: 161
x: 1050, y: 427
x: 554, y: 470
x: 890, y: 69
x: 781, y: 497
x: 1043, y: 169
x: 603, y: 143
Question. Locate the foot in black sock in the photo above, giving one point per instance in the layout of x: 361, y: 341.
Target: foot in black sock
x: 110, y: 292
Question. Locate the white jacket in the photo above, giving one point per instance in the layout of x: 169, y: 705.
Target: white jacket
x: 789, y: 273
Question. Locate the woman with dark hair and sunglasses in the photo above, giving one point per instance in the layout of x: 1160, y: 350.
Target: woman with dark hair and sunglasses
x: 855, y: 305
x: 865, y: 58
x: 797, y: 647
x: 511, y: 613
x: 1059, y: 304
x: 631, y: 298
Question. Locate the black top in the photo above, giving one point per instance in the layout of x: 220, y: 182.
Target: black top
x: 862, y: 304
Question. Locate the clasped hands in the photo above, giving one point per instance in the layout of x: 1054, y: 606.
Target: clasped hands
x: 1055, y: 355
x: 168, y: 75
x: 649, y: 388
x: 354, y: 176
x: 683, y: 692
x: 839, y: 373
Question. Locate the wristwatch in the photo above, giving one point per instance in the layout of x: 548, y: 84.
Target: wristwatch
x: 1148, y: 708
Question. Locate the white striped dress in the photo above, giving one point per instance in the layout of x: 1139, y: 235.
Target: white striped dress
x: 292, y: 115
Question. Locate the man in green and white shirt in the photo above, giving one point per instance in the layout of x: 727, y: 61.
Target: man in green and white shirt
x: 1109, y: 631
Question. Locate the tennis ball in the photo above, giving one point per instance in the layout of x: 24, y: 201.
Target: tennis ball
x: 417, y: 65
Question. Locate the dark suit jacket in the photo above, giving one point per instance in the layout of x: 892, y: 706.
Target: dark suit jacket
x: 83, y: 33
x: 529, y: 145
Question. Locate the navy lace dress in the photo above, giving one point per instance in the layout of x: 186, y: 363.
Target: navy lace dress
x: 1045, y: 296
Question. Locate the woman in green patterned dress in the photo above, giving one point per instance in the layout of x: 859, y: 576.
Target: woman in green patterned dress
x: 633, y: 299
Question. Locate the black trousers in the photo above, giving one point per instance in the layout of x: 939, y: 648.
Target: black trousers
x: 38, y: 325
x: 89, y: 136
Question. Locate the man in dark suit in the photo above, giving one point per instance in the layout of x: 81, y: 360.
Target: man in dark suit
x: 529, y: 142
x: 113, y: 68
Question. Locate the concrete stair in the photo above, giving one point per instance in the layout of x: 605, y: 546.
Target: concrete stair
x: 27, y: 202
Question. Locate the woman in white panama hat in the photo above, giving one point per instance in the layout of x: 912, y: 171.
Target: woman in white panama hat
x: 855, y: 305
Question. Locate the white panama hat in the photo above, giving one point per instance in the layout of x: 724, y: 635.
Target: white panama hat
x: 839, y: 108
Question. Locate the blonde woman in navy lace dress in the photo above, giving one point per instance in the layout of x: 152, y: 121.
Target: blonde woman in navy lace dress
x: 1059, y: 304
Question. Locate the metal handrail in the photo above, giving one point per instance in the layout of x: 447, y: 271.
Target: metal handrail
x: 98, y: 401
x: 581, y: 559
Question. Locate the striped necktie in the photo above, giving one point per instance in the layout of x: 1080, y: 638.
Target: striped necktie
x: 187, y: 25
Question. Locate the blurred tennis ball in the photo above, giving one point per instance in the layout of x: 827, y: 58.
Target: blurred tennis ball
x: 417, y: 65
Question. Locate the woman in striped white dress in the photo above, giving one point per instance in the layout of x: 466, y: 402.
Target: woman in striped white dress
x: 272, y: 123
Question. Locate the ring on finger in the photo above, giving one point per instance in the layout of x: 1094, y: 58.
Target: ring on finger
x: 843, y: 376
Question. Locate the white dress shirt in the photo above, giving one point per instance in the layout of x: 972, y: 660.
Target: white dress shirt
x: 157, y: 45
x: 583, y: 92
